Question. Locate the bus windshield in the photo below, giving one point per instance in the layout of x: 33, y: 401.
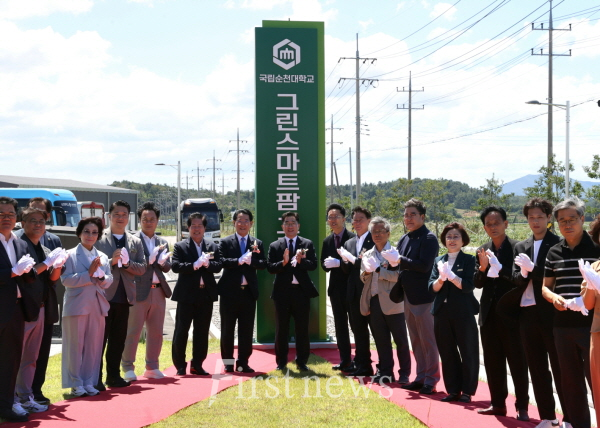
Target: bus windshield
x: 71, y: 212
x: 212, y: 217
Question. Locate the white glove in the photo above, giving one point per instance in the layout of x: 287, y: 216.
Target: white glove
x: 99, y: 273
x: 206, y: 259
x: 495, y: 265
x: 442, y: 271
x: 370, y: 264
x: 346, y: 255
x: 61, y: 259
x: 164, y: 256
x: 448, y: 271
x: 392, y: 256
x: 525, y: 263
x: 52, y: 257
x: 153, y: 255
x: 124, y: 257
x: 294, y: 262
x: 591, y: 277
x: 24, y: 265
x: 576, y: 304
x: 200, y: 262
x: 245, y: 258
x: 331, y: 263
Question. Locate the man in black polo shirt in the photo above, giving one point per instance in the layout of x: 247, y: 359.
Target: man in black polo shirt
x: 572, y: 322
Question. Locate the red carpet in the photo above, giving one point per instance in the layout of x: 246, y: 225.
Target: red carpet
x: 436, y: 414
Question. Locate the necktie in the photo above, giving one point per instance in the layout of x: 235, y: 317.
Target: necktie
x: 291, y: 247
x: 243, y: 245
x: 337, y: 241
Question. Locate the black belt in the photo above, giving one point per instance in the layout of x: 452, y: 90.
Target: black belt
x: 294, y: 285
x: 155, y: 286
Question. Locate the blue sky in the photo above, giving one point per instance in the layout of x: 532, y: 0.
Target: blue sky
x: 101, y: 90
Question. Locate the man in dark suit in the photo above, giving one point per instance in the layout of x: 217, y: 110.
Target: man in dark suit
x: 126, y: 256
x: 290, y: 259
x: 356, y: 247
x: 12, y: 269
x: 152, y: 290
x: 50, y: 241
x: 196, y: 261
x: 241, y: 255
x: 493, y: 273
x: 527, y: 306
x: 338, y: 281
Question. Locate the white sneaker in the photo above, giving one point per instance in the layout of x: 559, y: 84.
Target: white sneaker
x: 90, y: 390
x: 154, y: 374
x: 78, y: 391
x: 19, y: 410
x: 547, y: 423
x: 130, y: 376
x: 33, y: 407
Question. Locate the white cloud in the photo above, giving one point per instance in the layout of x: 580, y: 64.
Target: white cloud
x: 365, y: 24
x: 446, y: 8
x: 254, y: 4
x: 19, y: 9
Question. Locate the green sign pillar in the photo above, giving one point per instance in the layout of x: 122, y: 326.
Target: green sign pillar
x: 290, y: 151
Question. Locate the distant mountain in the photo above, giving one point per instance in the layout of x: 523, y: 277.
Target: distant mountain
x: 517, y: 186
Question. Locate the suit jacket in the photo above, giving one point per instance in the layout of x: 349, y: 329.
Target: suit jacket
x: 510, y: 304
x: 144, y: 282
x: 283, y: 274
x: 137, y: 263
x: 48, y: 240
x: 8, y: 285
x: 187, y: 287
x: 495, y: 288
x: 83, y: 293
x: 461, y: 303
x: 355, y: 284
x: 386, y: 279
x: 231, y: 278
x: 338, y: 277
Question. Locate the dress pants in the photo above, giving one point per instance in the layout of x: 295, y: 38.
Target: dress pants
x: 42, y: 362
x: 295, y: 304
x: 115, y: 332
x: 501, y: 344
x: 152, y: 313
x: 595, y: 371
x: 382, y: 326
x: 573, y: 348
x: 419, y: 321
x: 11, y: 345
x: 32, y: 338
x: 458, y: 343
x: 339, y: 307
x: 82, y: 338
x: 198, y: 312
x: 240, y: 309
x: 362, y: 340
x: 538, y: 343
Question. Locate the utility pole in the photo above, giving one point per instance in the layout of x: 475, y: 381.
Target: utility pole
x: 410, y: 109
x: 198, y: 176
x: 350, y: 158
x: 332, y: 143
x: 238, y: 163
x: 223, y: 184
x: 550, y: 54
x: 364, y: 81
x: 214, y: 180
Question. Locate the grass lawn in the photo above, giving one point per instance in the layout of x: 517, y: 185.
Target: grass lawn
x: 307, y: 401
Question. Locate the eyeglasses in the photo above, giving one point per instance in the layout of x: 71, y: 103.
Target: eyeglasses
x: 242, y: 222
x: 569, y: 222
x: 90, y: 232
x: 453, y: 237
x: 334, y: 217
x: 36, y: 222
x: 8, y: 216
x: 379, y: 232
x: 290, y: 223
x: 411, y: 215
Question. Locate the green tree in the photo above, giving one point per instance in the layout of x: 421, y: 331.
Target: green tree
x: 592, y: 195
x: 551, y: 183
x: 393, y: 206
x: 492, y: 195
x: 434, y: 194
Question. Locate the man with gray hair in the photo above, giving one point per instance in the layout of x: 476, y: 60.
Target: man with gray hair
x: 572, y: 321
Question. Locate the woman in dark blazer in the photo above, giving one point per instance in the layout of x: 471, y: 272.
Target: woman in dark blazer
x: 454, y: 310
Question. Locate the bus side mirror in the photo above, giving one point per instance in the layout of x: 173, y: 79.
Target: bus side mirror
x: 221, y: 216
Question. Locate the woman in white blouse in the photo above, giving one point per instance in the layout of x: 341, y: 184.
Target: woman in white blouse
x: 87, y: 274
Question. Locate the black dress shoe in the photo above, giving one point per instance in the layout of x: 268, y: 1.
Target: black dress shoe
x: 465, y: 398
x: 495, y: 411
x: 11, y: 416
x: 229, y: 368
x: 302, y: 367
x: 343, y: 366
x: 413, y: 386
x: 41, y: 399
x: 453, y: 396
x: 198, y: 371
x: 282, y: 367
x: 100, y: 387
x: 522, y: 415
x: 181, y: 371
x: 117, y: 383
x: 362, y: 371
x: 243, y: 368
x: 428, y: 390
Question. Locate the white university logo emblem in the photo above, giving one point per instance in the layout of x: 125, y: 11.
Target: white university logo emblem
x: 286, y: 54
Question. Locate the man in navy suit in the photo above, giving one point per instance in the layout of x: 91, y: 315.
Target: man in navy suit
x: 241, y: 255
x: 290, y: 259
x: 12, y: 322
x: 195, y: 261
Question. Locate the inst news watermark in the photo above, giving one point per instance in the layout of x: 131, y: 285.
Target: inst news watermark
x: 315, y: 386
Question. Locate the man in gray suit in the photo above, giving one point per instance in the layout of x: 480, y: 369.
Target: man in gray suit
x: 126, y: 257
x: 152, y: 290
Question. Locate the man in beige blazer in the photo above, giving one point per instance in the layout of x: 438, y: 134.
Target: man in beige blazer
x: 126, y: 257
